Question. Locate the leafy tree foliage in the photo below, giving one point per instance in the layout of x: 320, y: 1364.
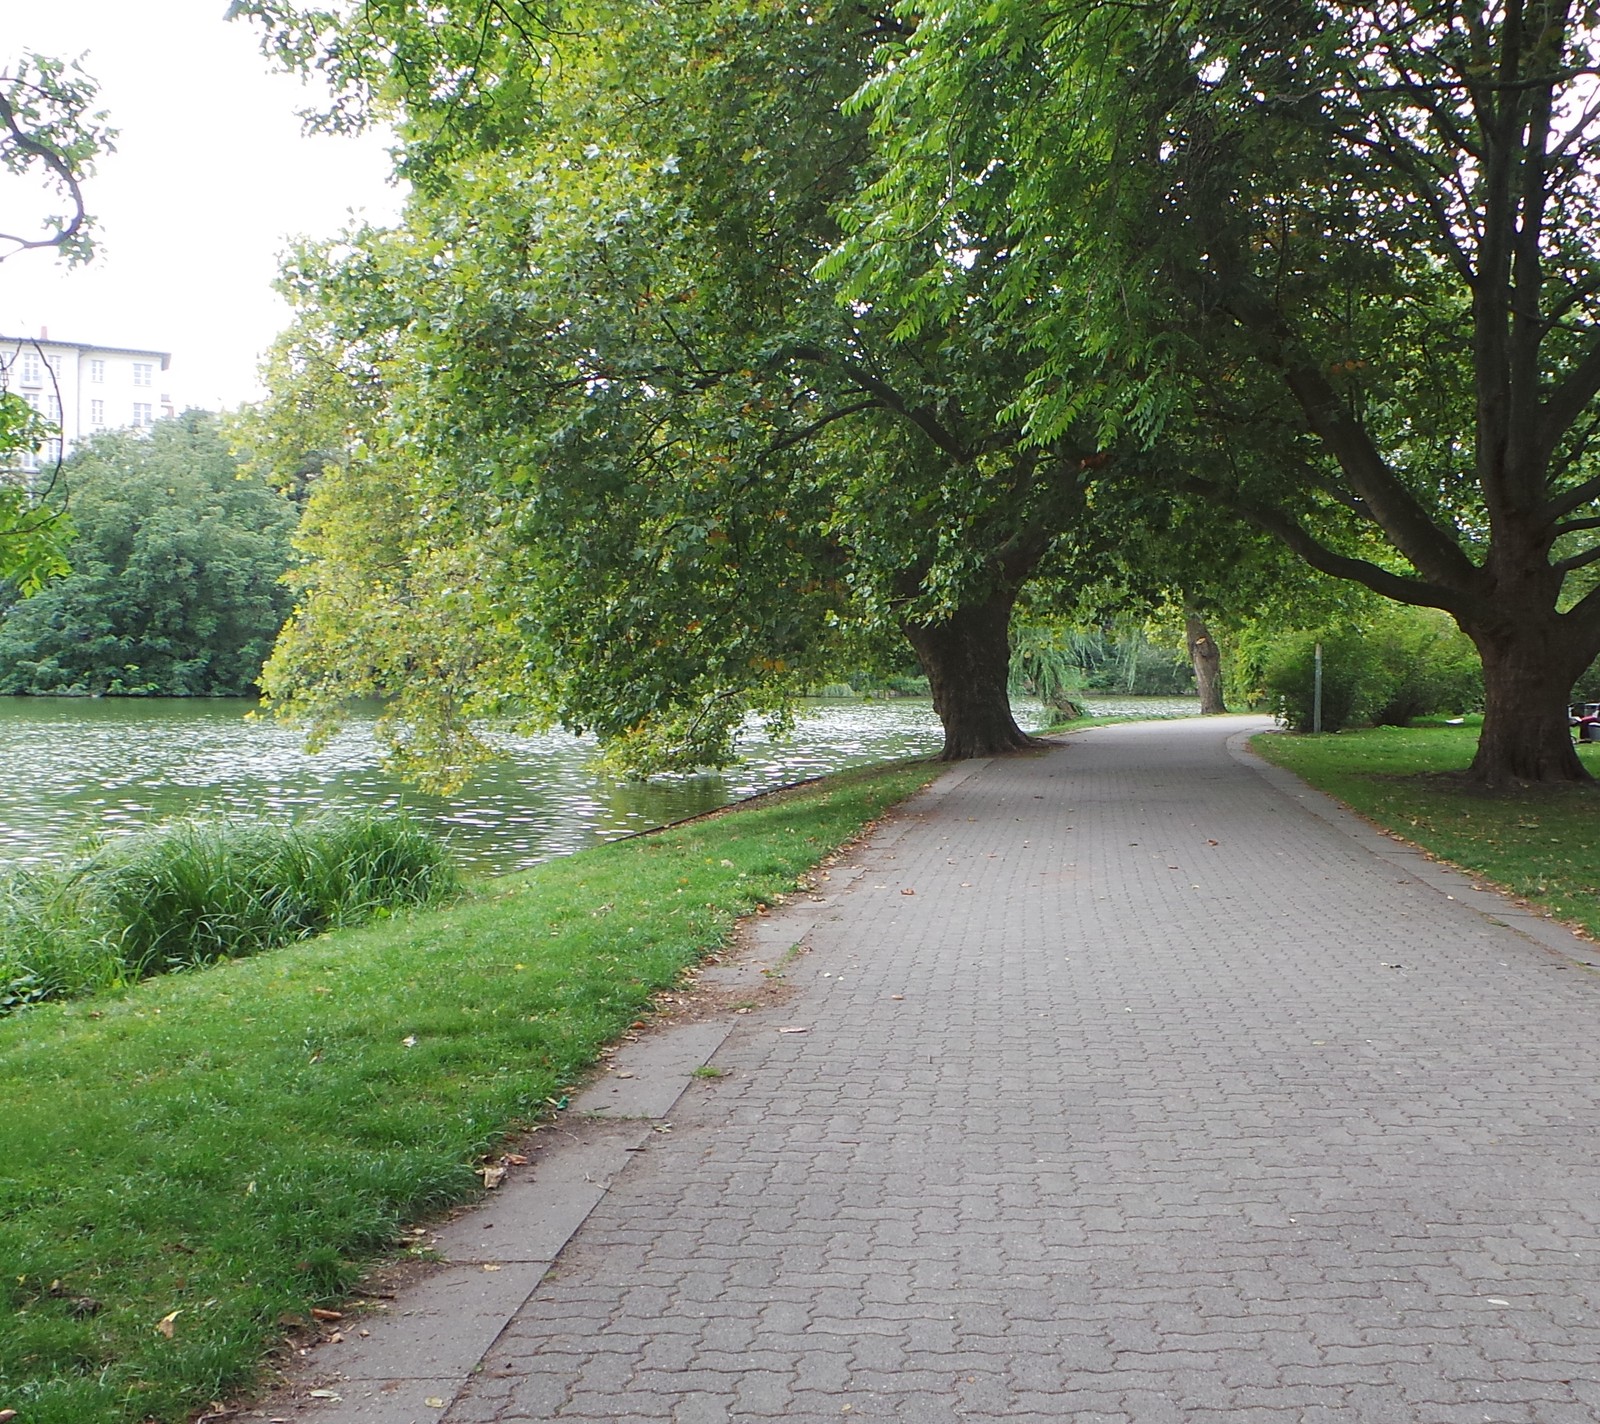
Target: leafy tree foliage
x: 50, y: 135
x: 34, y: 530
x: 49, y: 138
x: 595, y: 367
x: 1347, y: 259
x: 173, y: 588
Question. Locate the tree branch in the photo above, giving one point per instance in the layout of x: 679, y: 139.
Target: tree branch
x: 1578, y: 561
x: 1571, y: 500
x: 1434, y: 554
x: 792, y: 438
x: 1402, y: 590
x: 57, y: 165
x: 1566, y: 403
x: 889, y: 398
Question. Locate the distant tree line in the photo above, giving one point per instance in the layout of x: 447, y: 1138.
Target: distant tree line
x: 172, y: 586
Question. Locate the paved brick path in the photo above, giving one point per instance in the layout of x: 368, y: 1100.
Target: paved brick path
x: 1161, y: 1099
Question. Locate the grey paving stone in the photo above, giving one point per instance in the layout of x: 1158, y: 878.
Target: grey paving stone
x: 646, y: 1078
x: 1169, y: 1091
x: 438, y: 1330
x: 532, y: 1216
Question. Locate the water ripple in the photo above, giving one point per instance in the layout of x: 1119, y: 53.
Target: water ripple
x: 79, y: 768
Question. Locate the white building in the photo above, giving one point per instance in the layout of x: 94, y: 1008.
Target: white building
x: 83, y: 389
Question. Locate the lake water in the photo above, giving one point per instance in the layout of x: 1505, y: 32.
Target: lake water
x: 79, y: 767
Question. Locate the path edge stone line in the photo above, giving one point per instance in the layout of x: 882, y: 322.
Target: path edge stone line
x: 1496, y: 906
x: 442, y: 1328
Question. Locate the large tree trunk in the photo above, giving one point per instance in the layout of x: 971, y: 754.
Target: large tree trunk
x: 1207, y: 663
x: 1528, y: 673
x: 967, y: 659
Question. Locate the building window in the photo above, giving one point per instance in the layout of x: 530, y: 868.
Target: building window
x: 143, y: 373
x: 97, y: 414
x: 97, y: 371
x: 54, y: 363
x: 29, y: 461
x: 30, y: 368
x: 141, y: 415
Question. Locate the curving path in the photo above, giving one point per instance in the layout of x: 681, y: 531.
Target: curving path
x: 1170, y: 1094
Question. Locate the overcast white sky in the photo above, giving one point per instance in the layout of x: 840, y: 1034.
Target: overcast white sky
x: 210, y: 175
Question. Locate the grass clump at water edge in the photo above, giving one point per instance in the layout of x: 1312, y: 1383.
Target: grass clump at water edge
x: 214, y: 1150
x: 1539, y: 842
x: 195, y: 892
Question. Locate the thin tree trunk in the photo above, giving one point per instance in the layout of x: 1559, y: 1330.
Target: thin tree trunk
x: 967, y: 660
x: 1528, y: 674
x: 1207, y: 663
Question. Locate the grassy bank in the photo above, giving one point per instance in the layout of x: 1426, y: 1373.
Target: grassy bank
x: 181, y: 1164
x: 1542, y: 844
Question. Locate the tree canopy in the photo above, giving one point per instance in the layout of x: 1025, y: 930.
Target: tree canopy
x: 705, y: 481
x: 173, y: 581
x: 50, y: 136
x: 736, y: 333
x: 1345, y: 258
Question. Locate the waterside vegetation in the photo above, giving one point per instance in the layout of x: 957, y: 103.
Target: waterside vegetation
x: 191, y: 893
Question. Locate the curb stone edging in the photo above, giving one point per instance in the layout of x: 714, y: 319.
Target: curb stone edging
x: 1496, y: 906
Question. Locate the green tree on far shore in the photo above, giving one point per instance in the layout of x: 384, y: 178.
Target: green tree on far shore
x: 173, y: 588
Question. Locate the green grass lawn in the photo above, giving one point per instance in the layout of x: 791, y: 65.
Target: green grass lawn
x: 185, y: 1162
x: 1542, y: 844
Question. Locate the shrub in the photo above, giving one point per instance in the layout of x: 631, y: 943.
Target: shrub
x: 1395, y: 665
x: 196, y: 892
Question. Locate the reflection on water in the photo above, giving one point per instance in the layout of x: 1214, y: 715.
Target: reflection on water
x: 77, y: 767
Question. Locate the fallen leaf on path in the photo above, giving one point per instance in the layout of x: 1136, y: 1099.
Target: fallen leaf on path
x: 515, y: 1159
x: 434, y: 1402
x: 492, y: 1176
x: 334, y: 1395
x: 794, y: 1028
x: 318, y: 1313
x: 490, y: 1266
x: 897, y: 996
x: 908, y: 891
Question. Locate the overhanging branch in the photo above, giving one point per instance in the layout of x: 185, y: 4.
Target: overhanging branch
x: 887, y: 396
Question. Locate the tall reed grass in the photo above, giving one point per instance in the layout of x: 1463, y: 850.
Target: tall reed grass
x: 195, y: 892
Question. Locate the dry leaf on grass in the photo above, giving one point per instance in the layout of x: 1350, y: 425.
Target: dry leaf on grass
x: 164, y: 1326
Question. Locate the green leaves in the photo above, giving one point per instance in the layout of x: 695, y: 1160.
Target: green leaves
x: 50, y: 136
x: 172, y: 585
